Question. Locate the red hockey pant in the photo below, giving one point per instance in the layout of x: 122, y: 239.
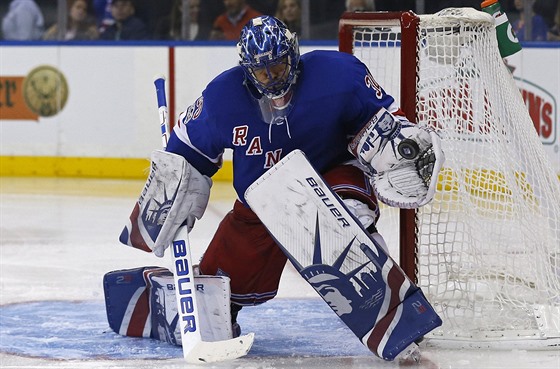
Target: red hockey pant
x: 243, y: 250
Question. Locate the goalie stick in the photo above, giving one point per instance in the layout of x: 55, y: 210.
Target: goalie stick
x: 195, y: 350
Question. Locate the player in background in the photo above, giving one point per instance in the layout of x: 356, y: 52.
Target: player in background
x: 325, y: 103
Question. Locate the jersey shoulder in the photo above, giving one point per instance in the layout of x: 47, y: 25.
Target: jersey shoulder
x: 227, y: 92
x: 331, y: 59
x: 332, y: 55
x: 333, y: 69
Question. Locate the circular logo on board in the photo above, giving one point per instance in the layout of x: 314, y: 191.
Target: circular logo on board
x: 45, y: 91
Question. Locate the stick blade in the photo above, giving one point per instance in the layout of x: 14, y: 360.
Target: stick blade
x: 209, y: 352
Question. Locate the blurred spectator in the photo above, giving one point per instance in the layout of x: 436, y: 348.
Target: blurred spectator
x: 23, y: 21
x: 228, y: 25
x: 80, y: 26
x: 554, y: 32
x: 539, y: 28
x: 127, y: 26
x: 102, y: 10
x: 151, y: 12
x: 289, y: 12
x: 360, y: 5
x: 209, y: 11
x: 171, y: 27
x: 547, y: 10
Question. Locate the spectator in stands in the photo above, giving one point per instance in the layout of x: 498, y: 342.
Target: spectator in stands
x: 209, y: 11
x: 289, y: 12
x: 360, y: 5
x: 539, y: 28
x: 23, y: 21
x: 149, y: 12
x: 127, y: 26
x: 554, y: 31
x: 80, y: 26
x: 171, y: 26
x: 228, y: 25
x: 102, y: 9
x: 546, y: 9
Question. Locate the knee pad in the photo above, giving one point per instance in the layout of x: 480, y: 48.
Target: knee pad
x: 362, y: 212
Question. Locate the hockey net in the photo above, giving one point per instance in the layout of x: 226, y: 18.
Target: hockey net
x: 486, y: 251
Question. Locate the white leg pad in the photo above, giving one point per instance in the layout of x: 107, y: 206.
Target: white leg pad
x: 213, y: 296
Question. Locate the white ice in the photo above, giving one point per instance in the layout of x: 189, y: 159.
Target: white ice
x: 58, y: 237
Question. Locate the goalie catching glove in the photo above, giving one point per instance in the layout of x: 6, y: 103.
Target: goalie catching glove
x: 175, y: 193
x: 404, y: 159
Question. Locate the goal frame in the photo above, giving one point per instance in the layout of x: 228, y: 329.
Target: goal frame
x: 487, y: 303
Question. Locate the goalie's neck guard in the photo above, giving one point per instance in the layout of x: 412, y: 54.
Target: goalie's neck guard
x: 275, y: 111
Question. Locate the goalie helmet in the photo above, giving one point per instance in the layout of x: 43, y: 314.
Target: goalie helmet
x: 269, y: 55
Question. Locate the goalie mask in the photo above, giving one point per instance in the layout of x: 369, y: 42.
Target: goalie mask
x: 269, y: 55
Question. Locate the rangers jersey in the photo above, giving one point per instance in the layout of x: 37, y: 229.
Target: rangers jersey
x: 334, y: 97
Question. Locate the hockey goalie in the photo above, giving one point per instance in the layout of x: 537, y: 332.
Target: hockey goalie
x: 316, y: 142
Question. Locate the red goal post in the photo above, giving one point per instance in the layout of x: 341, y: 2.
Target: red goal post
x: 486, y: 251
x: 408, y: 23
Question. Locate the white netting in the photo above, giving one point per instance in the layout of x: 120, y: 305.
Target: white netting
x: 489, y: 243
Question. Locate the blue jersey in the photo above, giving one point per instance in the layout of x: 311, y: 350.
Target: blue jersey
x: 334, y: 97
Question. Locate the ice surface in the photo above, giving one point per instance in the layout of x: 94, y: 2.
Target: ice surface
x: 59, y: 236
